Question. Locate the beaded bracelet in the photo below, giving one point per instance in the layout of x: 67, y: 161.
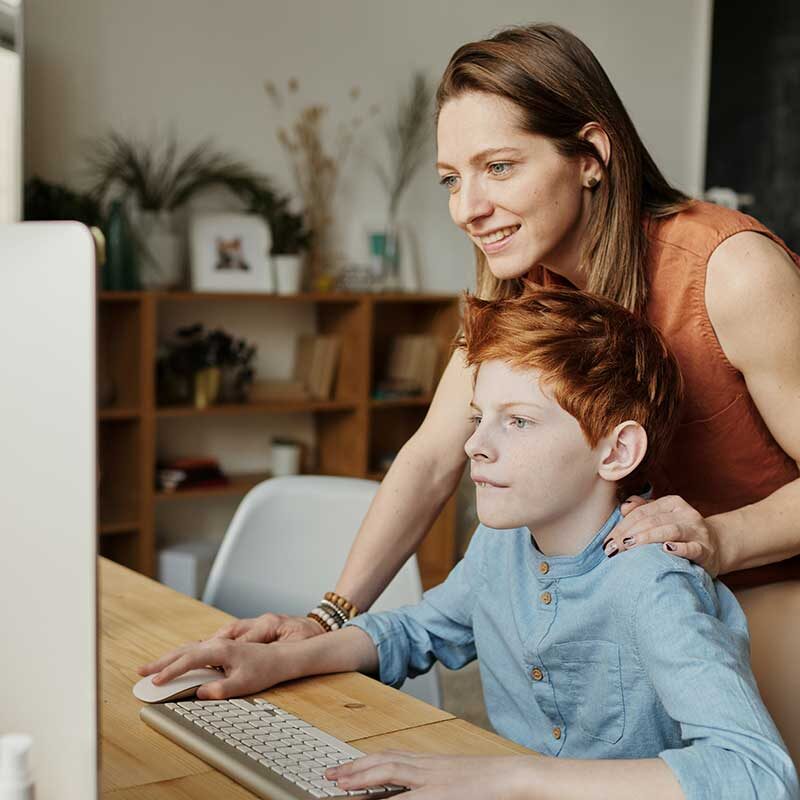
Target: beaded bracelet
x: 334, y: 611
x: 342, y: 603
x: 319, y: 621
x: 329, y: 621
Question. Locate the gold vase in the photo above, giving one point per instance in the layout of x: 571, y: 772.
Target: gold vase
x: 206, y: 387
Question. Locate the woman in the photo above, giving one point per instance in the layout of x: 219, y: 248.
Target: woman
x: 548, y: 178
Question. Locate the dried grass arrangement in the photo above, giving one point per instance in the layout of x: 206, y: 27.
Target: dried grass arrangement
x: 316, y: 170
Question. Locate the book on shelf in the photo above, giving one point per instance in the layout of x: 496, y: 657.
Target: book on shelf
x: 316, y: 362
x: 412, y: 367
x: 313, y: 375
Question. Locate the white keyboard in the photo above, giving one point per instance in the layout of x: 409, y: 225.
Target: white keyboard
x: 271, y: 752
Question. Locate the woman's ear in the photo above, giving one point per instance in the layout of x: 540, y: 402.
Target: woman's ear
x: 622, y: 451
x: 595, y: 134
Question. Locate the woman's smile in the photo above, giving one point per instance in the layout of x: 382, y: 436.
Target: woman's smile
x: 497, y: 240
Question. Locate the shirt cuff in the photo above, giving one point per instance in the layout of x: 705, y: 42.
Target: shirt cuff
x: 391, y: 642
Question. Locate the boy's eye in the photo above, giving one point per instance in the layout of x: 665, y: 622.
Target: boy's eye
x: 520, y: 422
x: 500, y: 168
x: 475, y: 420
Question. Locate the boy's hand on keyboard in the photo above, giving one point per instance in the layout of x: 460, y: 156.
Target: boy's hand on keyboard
x: 248, y: 667
x: 270, y: 628
x: 436, y: 777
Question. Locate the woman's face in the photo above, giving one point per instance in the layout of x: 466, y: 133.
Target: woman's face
x: 511, y: 192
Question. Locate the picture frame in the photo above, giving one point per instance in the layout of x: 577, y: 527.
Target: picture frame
x: 230, y: 253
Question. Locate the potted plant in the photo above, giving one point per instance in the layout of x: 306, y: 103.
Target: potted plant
x: 290, y: 238
x: 159, y: 179
x: 203, y: 367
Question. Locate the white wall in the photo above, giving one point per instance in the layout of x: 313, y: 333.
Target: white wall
x: 198, y: 67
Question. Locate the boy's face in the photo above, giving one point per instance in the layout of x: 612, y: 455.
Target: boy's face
x: 530, y: 461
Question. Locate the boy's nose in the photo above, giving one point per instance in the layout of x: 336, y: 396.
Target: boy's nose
x: 477, y: 448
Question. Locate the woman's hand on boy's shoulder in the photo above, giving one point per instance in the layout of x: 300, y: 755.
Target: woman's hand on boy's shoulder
x: 434, y: 777
x: 670, y: 521
x: 247, y: 667
x: 270, y: 627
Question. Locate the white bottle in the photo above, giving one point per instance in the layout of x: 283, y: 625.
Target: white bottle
x: 16, y: 782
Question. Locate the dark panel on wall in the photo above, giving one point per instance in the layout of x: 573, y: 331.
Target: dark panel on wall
x: 754, y: 109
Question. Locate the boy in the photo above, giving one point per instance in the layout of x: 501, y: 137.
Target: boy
x: 641, y: 657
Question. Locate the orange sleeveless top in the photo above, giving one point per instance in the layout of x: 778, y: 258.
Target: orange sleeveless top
x: 723, y: 456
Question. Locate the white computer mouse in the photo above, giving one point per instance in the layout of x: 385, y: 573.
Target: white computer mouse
x: 183, y: 686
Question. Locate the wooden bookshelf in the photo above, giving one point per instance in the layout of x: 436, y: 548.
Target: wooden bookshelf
x: 354, y: 431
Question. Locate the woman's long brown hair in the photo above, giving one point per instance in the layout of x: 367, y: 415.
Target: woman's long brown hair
x: 558, y: 86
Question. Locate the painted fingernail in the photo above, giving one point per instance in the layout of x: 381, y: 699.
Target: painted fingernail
x: 629, y: 541
x: 669, y: 546
x: 611, y: 548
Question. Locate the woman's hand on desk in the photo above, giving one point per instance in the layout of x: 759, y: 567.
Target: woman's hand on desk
x: 438, y: 777
x: 249, y: 667
x: 270, y: 628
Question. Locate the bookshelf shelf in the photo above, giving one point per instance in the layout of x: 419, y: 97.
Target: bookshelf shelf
x: 401, y: 402
x: 353, y: 431
x: 238, y: 485
x: 117, y: 528
x: 292, y: 407
x: 120, y: 414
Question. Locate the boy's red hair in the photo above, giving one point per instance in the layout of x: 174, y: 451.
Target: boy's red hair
x: 601, y: 363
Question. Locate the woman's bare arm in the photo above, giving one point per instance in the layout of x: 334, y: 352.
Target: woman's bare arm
x: 418, y: 484
x: 420, y: 481
x: 753, y: 298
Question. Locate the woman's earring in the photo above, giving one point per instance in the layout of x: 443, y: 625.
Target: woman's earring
x: 593, y: 182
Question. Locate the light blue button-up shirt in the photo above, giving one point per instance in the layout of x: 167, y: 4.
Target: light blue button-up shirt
x: 636, y: 656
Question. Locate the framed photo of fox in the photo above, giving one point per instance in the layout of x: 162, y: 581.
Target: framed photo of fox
x: 230, y: 253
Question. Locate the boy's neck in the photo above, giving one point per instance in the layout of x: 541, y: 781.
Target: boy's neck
x: 570, y: 532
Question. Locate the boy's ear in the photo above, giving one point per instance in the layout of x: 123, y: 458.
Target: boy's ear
x: 622, y: 451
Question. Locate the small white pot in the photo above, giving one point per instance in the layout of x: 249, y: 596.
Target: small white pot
x: 285, y: 458
x: 288, y: 272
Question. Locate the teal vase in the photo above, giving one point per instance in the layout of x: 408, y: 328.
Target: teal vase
x: 120, y: 273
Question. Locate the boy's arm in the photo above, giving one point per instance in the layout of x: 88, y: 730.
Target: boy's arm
x: 438, y: 628
x: 403, y: 642
x: 700, y: 668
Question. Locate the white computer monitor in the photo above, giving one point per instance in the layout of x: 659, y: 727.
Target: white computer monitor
x: 10, y: 110
x: 48, y: 476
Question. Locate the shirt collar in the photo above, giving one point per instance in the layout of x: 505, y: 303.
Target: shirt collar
x: 549, y: 568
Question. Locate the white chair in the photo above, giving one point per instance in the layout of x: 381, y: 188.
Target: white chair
x: 287, y: 543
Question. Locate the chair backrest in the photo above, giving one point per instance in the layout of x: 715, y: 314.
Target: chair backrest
x: 288, y: 541
x: 773, y: 616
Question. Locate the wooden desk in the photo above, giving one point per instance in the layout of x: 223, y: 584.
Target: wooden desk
x: 140, y: 619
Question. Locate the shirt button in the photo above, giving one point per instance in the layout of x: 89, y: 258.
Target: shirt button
x: 537, y: 674
x: 556, y: 733
x: 544, y: 568
x: 546, y: 598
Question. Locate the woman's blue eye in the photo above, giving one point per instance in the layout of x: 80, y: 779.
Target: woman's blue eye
x: 500, y: 168
x: 449, y: 182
